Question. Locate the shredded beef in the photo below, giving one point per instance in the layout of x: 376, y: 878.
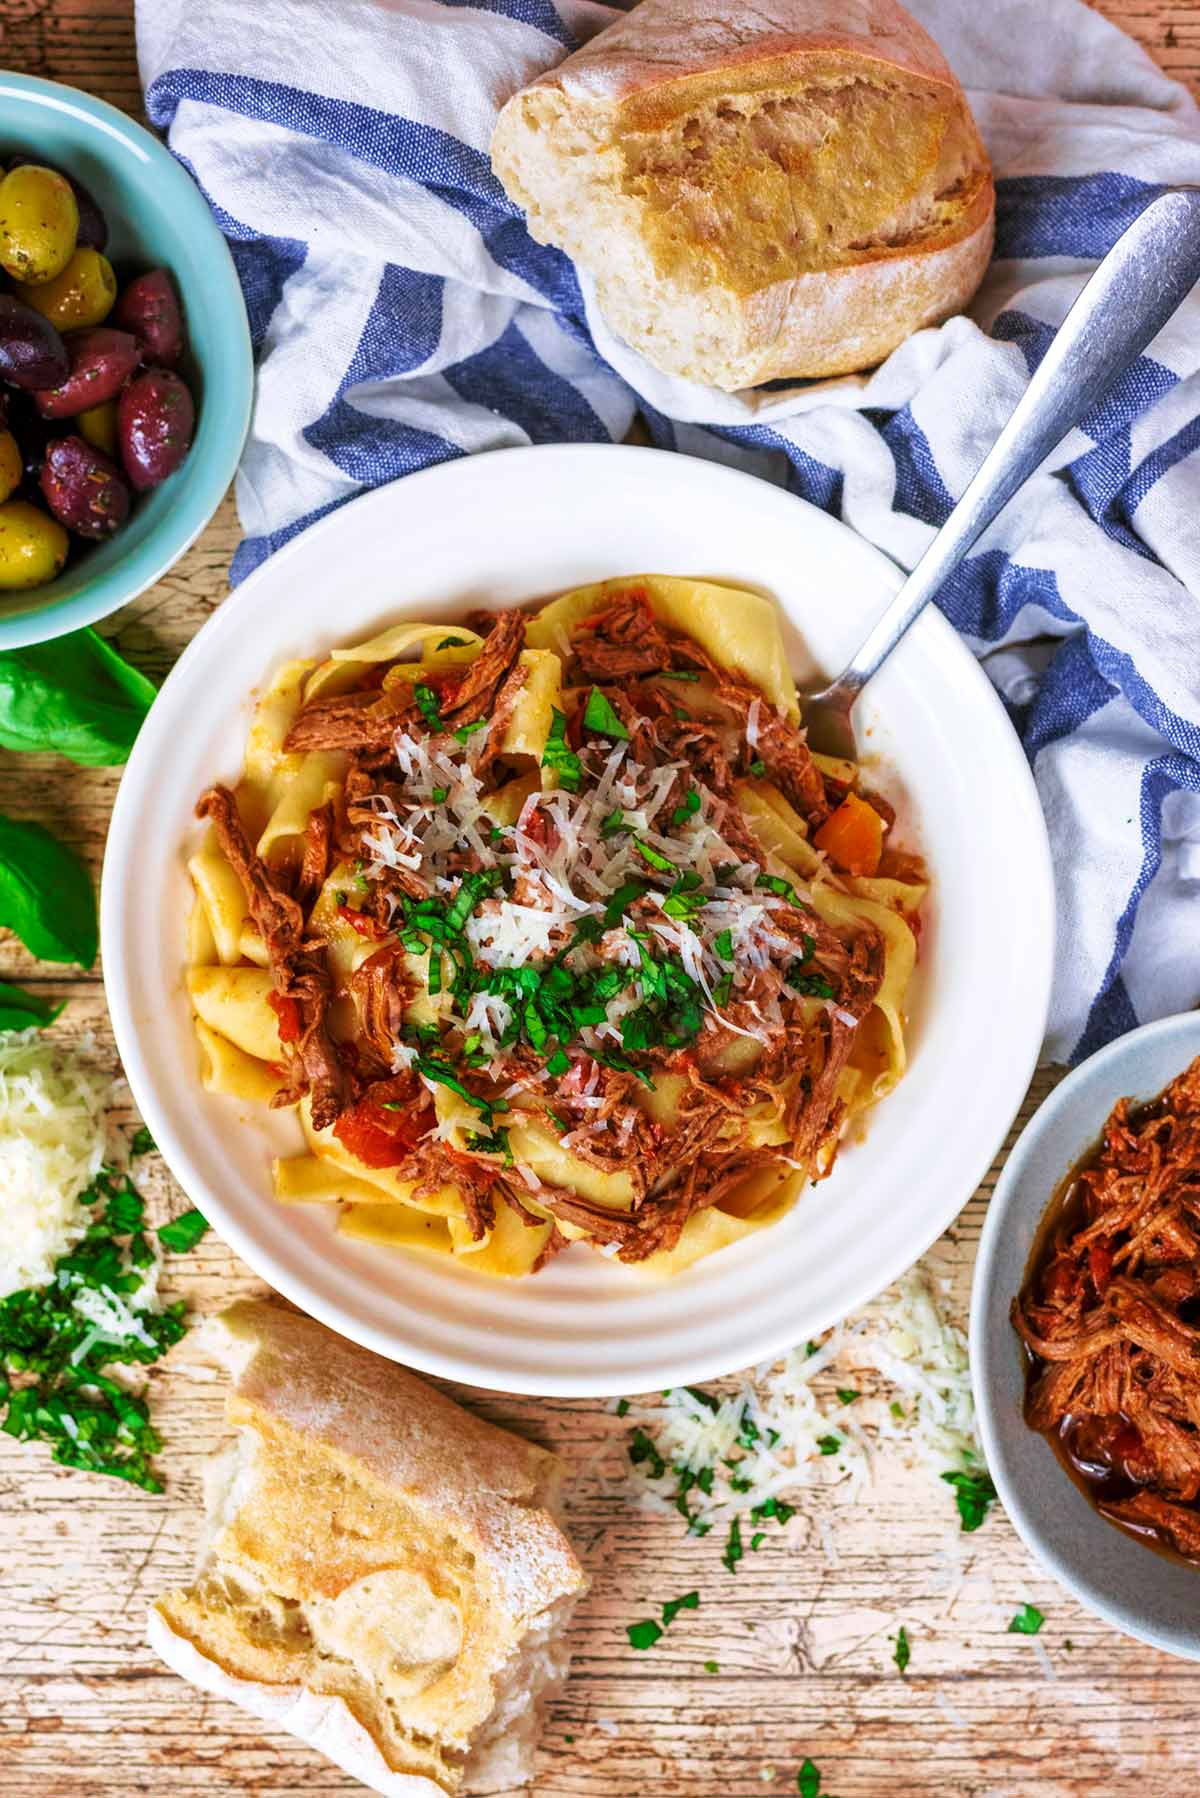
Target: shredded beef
x: 377, y: 988
x: 623, y: 640
x: 477, y: 694
x: 363, y: 723
x: 314, y: 864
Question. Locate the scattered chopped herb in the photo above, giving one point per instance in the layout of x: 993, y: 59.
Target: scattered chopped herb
x: 811, y: 1349
x: 496, y: 1143
x: 813, y: 986
x: 559, y: 1063
x: 649, y: 854
x: 568, y: 1738
x: 444, y: 1075
x: 614, y: 822
x: 689, y: 1602
x: 453, y: 643
x: 496, y: 834
x: 758, y: 767
x: 427, y: 705
x: 1027, y: 1622
x: 903, y: 1652
x: 141, y: 1142
x: 465, y: 732
x: 723, y: 945
x: 974, y: 1494
x: 622, y: 1407
x: 829, y: 1445
x: 599, y: 715
x: 1069, y: 1645
x: 183, y: 1232
x: 688, y: 808
x: 474, y: 887
x: 644, y: 1635
x: 707, y: 1399
x: 678, y: 674
x: 559, y: 755
x: 642, y: 1448
x: 847, y: 1395
x: 733, y: 1547
x: 433, y: 974
x: 757, y: 1540
x: 557, y: 1118
x: 898, y: 1412
x: 808, y: 1781
x: 712, y: 1666
x: 722, y: 990
x: 440, y: 795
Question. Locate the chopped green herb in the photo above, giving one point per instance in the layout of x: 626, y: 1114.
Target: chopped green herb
x: 813, y: 986
x: 559, y: 756
x: 808, y: 1781
x: 1069, y: 1645
x: 622, y: 1407
x: 626, y: 893
x: 712, y: 1666
x: 688, y: 808
x: 829, y: 1445
x: 427, y: 705
x: 474, y: 887
x: 733, y: 1547
x: 757, y: 1540
x: 496, y: 1143
x: 642, y: 1448
x: 599, y: 715
x: 812, y: 1348
x: 453, y: 643
x: 568, y: 1738
x: 678, y: 674
x: 496, y: 835
x: 689, y: 1602
x: 141, y: 1142
x: 465, y: 732
x: 775, y: 883
x: 758, y: 767
x: 439, y: 795
x: 559, y: 1063
x: 847, y: 1395
x: 444, y: 1075
x: 1027, y: 1622
x: 903, y: 1652
x: 649, y: 854
x: 644, y: 1635
x: 707, y: 1399
x: 974, y: 1494
x: 898, y: 1412
x: 615, y: 821
x: 723, y: 945
x: 433, y: 974
x: 722, y: 990
x: 183, y: 1232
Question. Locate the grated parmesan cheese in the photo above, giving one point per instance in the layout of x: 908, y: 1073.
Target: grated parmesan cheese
x: 52, y: 1141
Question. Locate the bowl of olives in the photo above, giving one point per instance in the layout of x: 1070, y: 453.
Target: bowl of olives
x: 126, y: 372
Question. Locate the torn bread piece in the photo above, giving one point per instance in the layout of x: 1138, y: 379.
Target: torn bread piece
x: 789, y: 189
x: 382, y: 1574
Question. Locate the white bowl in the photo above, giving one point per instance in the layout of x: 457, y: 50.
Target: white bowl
x: 1147, y: 1594
x: 521, y: 525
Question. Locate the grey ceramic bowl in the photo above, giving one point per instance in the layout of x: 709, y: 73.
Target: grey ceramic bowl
x: 1130, y: 1585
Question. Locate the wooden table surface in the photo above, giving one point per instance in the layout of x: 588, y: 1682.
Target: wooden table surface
x: 802, y: 1644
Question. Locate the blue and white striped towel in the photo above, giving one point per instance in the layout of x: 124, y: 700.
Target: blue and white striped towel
x: 403, y: 316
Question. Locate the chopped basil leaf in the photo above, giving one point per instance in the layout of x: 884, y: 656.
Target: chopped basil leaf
x: 614, y: 822
x: 427, y: 705
x: 559, y: 756
x: 775, y: 883
x: 466, y: 731
x: 712, y: 1666
x: 622, y: 1407
x: 643, y: 1635
x: 496, y: 1143
x: 974, y: 1494
x: 758, y: 767
x: 559, y: 1063
x: 808, y: 1781
x: 651, y: 855
x: 829, y: 1445
x: 183, y: 1232
x: 903, y: 1652
x: 599, y: 715
x: 141, y: 1142
x: 722, y: 990
x: 626, y: 893
x: 757, y: 1540
x: 444, y: 1075
x: 689, y: 1602
x: 440, y: 795
x: 642, y: 1448
x: 1027, y: 1622
x: 706, y: 1399
x: 898, y: 1412
x: 733, y: 1547
x: 556, y: 1118
x: 723, y: 945
x: 688, y: 808
x: 812, y: 986
x: 453, y: 643
x: 678, y: 674
x: 847, y: 1394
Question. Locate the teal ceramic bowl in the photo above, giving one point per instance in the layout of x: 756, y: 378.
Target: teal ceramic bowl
x: 157, y: 217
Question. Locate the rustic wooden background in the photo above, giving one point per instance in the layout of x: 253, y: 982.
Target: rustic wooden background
x: 802, y: 1644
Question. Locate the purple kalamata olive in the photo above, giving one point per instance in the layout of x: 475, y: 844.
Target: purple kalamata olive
x: 101, y: 361
x: 155, y: 416
x: 32, y: 354
x: 149, y: 308
x: 83, y: 489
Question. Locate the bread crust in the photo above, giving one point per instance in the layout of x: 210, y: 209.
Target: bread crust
x: 693, y: 317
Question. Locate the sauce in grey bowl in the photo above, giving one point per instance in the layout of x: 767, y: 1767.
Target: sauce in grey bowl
x: 1146, y: 1593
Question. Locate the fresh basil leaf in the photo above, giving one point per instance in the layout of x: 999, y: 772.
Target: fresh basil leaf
x: 903, y: 1652
x: 974, y: 1494
x: 649, y: 854
x: 1027, y: 1622
x: 643, y: 1635
x: 559, y: 755
x: 74, y: 696
x: 808, y: 1781
x: 600, y: 715
x: 141, y: 1142
x: 20, y: 1010
x: 183, y: 1232
x: 689, y: 1602
x: 46, y: 894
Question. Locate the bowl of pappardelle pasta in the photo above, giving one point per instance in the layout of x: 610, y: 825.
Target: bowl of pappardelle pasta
x: 511, y: 983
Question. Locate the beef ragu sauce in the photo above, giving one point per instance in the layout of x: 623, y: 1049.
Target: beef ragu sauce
x: 1110, y: 1318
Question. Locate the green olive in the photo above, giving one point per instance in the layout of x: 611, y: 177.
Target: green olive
x: 98, y: 425
x: 39, y: 222
x: 10, y: 464
x: 80, y: 295
x: 33, y: 546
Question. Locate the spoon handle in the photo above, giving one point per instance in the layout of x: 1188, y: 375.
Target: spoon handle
x: 1145, y: 277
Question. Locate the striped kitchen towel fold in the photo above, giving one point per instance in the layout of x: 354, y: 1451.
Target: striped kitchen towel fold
x: 402, y: 316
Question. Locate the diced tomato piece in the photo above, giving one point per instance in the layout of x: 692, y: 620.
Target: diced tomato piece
x: 288, y: 1012
x: 362, y: 922
x: 383, y: 1128
x: 539, y: 827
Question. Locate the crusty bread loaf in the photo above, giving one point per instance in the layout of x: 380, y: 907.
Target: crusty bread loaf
x: 383, y: 1574
x: 783, y: 189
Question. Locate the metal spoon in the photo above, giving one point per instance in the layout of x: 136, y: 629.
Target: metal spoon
x: 1147, y: 274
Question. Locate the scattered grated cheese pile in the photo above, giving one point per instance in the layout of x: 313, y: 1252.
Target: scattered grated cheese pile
x: 52, y: 1141
x: 896, y: 1376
